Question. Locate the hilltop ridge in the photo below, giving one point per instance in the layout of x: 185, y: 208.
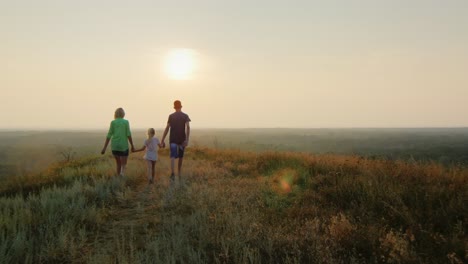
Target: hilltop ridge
x: 234, y: 206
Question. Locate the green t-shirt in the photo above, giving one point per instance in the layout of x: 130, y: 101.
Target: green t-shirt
x: 119, y: 131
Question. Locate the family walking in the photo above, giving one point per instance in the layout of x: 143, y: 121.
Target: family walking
x: 178, y: 127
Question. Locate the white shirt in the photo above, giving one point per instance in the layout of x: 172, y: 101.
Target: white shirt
x: 151, y: 149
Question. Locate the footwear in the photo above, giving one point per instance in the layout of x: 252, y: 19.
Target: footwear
x: 172, y: 178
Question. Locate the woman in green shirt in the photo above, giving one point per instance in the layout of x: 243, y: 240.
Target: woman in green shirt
x: 119, y: 132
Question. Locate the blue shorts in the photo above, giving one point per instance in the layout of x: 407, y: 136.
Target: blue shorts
x: 120, y: 153
x: 177, y: 151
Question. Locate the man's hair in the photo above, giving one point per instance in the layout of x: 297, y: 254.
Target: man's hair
x: 119, y: 113
x: 177, y: 104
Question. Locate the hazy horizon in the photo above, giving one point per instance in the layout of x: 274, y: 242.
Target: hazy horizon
x: 139, y: 129
x: 68, y: 65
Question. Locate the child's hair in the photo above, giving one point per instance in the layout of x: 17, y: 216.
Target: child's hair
x: 151, y: 133
x: 119, y: 113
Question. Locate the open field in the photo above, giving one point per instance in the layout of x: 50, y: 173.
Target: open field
x: 445, y: 145
x: 23, y: 152
x: 232, y: 206
x: 331, y: 132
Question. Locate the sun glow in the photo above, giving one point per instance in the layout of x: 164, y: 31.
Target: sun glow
x: 180, y: 64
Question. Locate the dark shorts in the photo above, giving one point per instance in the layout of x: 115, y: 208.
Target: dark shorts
x: 177, y: 151
x: 120, y: 153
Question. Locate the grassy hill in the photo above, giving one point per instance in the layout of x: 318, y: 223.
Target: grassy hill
x: 237, y: 207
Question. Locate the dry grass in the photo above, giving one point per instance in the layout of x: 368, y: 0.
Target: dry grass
x: 239, y: 207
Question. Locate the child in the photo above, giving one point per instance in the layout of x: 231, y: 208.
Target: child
x: 151, y: 156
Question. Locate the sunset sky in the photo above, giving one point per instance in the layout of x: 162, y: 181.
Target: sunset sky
x: 363, y: 63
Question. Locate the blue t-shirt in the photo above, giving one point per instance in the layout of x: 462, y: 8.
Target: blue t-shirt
x: 177, y: 121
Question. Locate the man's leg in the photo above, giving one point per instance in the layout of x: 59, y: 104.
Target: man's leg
x: 172, y: 166
x: 172, y: 178
x: 181, y: 151
x: 179, y: 167
x: 174, y: 155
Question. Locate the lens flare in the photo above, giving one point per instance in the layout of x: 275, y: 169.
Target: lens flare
x: 286, y: 184
x: 285, y: 180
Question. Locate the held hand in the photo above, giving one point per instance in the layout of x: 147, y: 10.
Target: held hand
x: 163, y: 145
x: 133, y: 149
x: 185, y: 143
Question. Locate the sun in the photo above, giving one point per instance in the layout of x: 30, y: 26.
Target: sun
x: 180, y: 64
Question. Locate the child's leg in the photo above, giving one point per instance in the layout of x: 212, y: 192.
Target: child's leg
x: 149, y: 169
x: 153, y: 164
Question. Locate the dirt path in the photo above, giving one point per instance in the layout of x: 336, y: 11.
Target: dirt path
x: 137, y: 213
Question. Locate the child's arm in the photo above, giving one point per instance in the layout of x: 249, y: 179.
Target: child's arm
x: 140, y: 149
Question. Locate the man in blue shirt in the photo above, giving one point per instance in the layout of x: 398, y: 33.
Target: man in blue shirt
x: 179, y: 125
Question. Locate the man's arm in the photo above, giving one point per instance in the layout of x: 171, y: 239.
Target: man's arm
x: 165, y: 134
x: 187, y: 126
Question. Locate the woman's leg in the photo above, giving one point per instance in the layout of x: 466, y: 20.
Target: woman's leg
x: 123, y: 162
x: 117, y: 163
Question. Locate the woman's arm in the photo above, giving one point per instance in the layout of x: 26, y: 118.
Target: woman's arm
x: 108, y: 137
x: 105, y: 145
x: 131, y: 143
x: 129, y: 135
x: 138, y: 150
